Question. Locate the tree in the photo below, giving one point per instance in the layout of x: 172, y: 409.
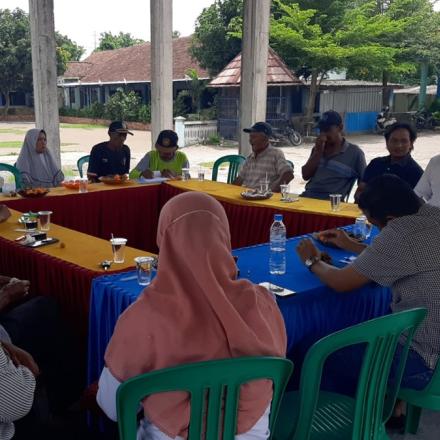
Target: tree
x: 213, y: 45
x: 15, y: 53
x: 108, y: 41
x: 196, y: 89
x: 123, y: 105
x: 67, y: 50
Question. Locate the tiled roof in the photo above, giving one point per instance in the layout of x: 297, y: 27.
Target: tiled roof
x: 131, y: 64
x: 277, y: 72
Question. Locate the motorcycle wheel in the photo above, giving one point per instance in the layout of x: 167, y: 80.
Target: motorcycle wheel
x: 295, y: 138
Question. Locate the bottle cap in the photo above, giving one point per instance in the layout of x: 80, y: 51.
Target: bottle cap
x: 278, y: 217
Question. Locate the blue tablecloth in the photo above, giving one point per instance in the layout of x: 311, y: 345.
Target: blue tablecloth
x: 315, y: 311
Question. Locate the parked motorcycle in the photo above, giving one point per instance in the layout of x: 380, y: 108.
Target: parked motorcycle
x: 384, y: 120
x: 424, y: 120
x: 287, y: 133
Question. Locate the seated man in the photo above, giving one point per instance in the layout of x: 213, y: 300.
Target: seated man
x: 164, y: 161
x: 264, y: 161
x: 400, y: 140
x: 404, y: 256
x: 17, y: 386
x: 334, y: 163
x: 110, y: 157
x: 429, y: 184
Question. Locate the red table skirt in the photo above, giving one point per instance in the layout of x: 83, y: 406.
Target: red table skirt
x: 131, y: 213
x: 67, y: 283
x: 250, y: 225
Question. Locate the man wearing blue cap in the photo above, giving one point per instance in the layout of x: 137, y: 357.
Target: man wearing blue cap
x: 334, y: 164
x: 265, y: 162
x: 110, y: 157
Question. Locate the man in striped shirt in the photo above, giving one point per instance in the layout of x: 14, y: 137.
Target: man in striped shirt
x: 265, y: 162
x: 17, y: 385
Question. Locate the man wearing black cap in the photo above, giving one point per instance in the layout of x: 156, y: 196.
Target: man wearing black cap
x: 111, y: 157
x: 265, y: 162
x: 334, y: 163
x: 164, y: 161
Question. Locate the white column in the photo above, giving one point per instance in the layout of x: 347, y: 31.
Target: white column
x: 253, y: 90
x: 161, y: 67
x: 44, y: 70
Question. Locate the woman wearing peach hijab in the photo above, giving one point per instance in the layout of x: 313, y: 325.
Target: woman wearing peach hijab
x: 194, y: 310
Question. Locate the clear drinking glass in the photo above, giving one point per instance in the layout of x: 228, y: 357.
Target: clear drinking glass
x: 44, y: 217
x: 83, y: 184
x: 118, y: 248
x: 264, y: 186
x: 284, y: 192
x: 144, y: 268
x: 201, y: 174
x: 31, y: 223
x: 335, y: 202
x: 185, y: 174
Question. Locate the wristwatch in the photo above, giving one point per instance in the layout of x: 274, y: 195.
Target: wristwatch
x: 310, y: 262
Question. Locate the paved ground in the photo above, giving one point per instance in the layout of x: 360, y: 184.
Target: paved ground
x: 77, y: 141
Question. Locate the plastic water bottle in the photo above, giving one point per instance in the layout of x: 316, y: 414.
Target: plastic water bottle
x: 277, y: 258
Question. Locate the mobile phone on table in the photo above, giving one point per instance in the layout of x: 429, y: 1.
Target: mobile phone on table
x: 277, y: 290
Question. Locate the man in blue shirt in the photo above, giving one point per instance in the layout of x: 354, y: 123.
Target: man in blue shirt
x: 400, y: 140
x: 110, y: 157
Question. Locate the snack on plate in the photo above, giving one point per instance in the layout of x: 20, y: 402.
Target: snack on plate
x: 33, y: 192
x: 71, y: 184
x: 115, y: 179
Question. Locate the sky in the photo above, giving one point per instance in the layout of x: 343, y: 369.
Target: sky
x: 83, y: 20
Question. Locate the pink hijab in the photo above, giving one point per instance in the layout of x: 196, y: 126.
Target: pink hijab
x: 195, y: 310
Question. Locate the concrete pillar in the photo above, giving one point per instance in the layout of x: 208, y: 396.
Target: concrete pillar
x: 44, y: 70
x: 253, y: 90
x: 179, y: 128
x: 161, y: 17
x: 423, y: 84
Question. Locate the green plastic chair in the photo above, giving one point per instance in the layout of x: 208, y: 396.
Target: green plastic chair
x: 81, y: 162
x: 212, y: 385
x: 15, y: 171
x: 311, y: 414
x: 416, y: 400
x: 234, y: 160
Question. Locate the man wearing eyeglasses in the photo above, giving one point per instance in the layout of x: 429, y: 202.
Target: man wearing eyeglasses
x: 111, y: 157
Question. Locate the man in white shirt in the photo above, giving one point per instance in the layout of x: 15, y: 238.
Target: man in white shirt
x: 428, y: 186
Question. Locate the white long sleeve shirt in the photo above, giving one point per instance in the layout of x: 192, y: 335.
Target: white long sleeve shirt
x: 428, y: 186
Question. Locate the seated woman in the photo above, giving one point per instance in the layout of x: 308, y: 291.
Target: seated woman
x: 400, y: 140
x: 164, y: 161
x: 36, y: 163
x: 194, y: 310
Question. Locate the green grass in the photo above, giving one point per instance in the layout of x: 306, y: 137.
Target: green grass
x: 11, y: 144
x: 211, y: 164
x: 18, y: 144
x: 85, y: 126
x: 11, y: 131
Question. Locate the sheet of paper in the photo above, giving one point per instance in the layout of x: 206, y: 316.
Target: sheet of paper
x: 153, y: 180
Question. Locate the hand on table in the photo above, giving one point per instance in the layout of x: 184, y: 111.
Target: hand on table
x: 168, y: 173
x: 21, y: 357
x: 337, y: 237
x: 148, y: 174
x: 306, y: 250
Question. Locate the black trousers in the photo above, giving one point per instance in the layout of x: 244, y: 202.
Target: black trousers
x: 35, y: 326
